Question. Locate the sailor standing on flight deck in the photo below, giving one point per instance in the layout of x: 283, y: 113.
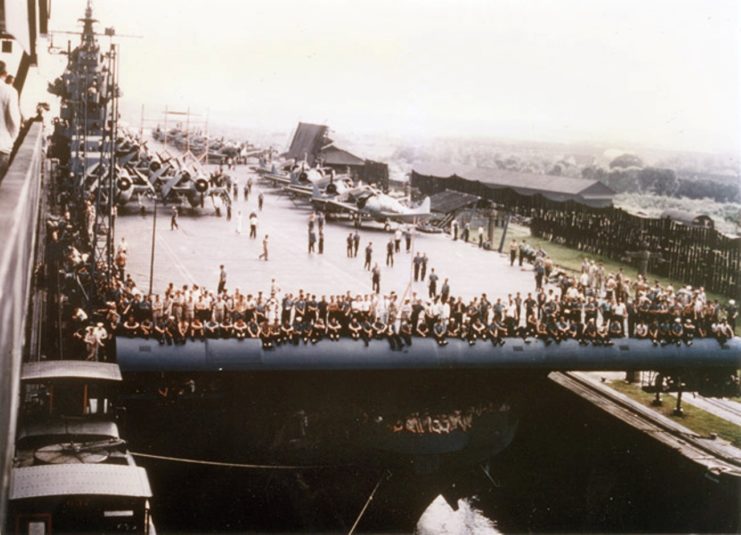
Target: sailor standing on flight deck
x: 368, y: 256
x: 349, y: 245
x: 390, y: 253
x: 10, y: 119
x: 222, y: 280
x: 417, y: 262
x: 513, y: 248
x: 264, y: 254
x: 355, y: 243
x: 312, y: 240
x: 174, y: 218
x: 423, y: 267
x: 312, y: 220
x: 376, y: 279
x: 408, y: 238
x: 253, y: 225
x: 433, y: 283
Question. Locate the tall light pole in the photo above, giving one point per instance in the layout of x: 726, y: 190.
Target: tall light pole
x: 154, y: 241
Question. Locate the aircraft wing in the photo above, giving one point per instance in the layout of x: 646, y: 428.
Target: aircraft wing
x: 171, y: 184
x: 92, y: 174
x: 141, y: 180
x: 302, y: 191
x: 406, y: 218
x: 334, y: 205
x: 221, y: 191
x: 159, y: 172
x: 319, y: 188
x: 126, y: 158
x: 276, y: 179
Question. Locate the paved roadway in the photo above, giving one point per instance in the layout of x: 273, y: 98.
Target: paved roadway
x: 193, y: 253
x: 728, y: 409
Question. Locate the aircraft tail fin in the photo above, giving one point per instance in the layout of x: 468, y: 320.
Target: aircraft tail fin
x: 423, y: 208
x: 420, y: 213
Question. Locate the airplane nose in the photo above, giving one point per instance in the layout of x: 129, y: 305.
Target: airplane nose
x: 201, y: 185
x: 124, y: 184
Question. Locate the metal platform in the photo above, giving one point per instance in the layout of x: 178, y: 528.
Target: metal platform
x: 79, y: 479
x: 69, y: 369
x: 224, y: 355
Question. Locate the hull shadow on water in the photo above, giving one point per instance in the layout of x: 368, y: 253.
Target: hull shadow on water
x: 567, y: 468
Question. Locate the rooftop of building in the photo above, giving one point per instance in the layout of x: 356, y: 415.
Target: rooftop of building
x: 524, y: 183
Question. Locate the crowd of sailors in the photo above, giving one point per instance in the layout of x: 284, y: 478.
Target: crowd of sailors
x: 592, y: 307
x: 564, y: 310
x: 427, y: 422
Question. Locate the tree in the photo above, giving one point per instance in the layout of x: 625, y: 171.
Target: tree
x: 623, y: 180
x: 626, y: 160
x: 594, y: 172
x: 658, y: 181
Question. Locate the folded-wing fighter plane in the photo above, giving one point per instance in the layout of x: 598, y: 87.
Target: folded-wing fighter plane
x: 130, y: 183
x: 327, y: 184
x: 127, y: 182
x: 192, y: 183
x: 299, y: 175
x: 368, y: 201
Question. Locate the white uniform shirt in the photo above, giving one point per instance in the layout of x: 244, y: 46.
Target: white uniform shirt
x: 10, y: 118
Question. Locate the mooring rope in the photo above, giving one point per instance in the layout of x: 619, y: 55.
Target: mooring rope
x: 234, y: 465
x: 386, y: 475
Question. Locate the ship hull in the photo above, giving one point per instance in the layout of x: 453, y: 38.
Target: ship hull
x: 422, y: 420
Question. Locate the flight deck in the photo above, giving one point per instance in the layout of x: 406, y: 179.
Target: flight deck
x: 192, y: 254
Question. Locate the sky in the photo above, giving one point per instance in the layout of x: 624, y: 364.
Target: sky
x: 658, y: 73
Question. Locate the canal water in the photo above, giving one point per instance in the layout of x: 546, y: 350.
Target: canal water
x: 571, y: 468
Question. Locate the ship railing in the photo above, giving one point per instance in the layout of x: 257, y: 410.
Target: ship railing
x: 20, y: 191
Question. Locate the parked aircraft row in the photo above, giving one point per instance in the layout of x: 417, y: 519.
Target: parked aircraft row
x: 333, y: 194
x: 140, y: 172
x: 218, y: 149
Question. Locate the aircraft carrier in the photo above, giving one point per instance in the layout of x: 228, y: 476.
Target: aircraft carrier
x: 242, y: 426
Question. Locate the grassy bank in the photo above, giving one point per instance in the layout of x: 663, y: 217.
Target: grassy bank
x: 701, y: 422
